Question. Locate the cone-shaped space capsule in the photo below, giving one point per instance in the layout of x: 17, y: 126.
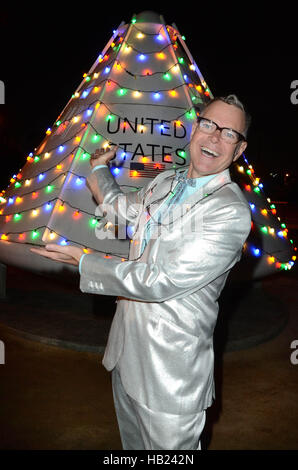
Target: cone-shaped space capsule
x: 143, y: 93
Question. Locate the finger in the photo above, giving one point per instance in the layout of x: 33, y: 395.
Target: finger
x: 52, y: 255
x: 104, y: 151
x: 39, y: 251
x: 57, y: 248
x: 110, y: 153
x: 69, y: 250
x: 97, y: 153
x: 45, y: 252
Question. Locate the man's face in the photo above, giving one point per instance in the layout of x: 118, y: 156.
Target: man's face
x: 202, y: 163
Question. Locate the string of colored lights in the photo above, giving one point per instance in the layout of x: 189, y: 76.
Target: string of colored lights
x: 47, y: 154
x: 86, y: 92
x: 271, y: 257
x: 135, y: 90
x: 80, y: 180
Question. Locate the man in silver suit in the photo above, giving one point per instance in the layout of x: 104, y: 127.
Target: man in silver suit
x: 188, y: 230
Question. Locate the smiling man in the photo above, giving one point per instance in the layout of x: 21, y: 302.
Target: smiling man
x: 218, y: 138
x: 160, y: 347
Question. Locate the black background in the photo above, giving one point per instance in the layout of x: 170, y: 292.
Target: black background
x: 251, y: 51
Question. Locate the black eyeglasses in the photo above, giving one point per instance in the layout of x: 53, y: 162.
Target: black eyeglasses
x: 228, y: 135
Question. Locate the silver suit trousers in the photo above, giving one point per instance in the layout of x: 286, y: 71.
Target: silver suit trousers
x: 143, y: 429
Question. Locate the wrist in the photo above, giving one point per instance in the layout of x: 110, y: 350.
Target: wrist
x: 98, y: 166
x: 98, y: 162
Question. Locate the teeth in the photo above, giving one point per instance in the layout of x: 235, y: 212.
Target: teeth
x: 205, y: 149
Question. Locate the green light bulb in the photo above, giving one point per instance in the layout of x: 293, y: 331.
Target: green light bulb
x: 95, y: 138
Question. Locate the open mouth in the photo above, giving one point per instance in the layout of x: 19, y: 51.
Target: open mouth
x: 209, y: 153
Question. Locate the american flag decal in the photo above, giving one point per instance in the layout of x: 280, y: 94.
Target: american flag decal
x: 145, y: 170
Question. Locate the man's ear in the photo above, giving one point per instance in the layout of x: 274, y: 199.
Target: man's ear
x: 239, y: 150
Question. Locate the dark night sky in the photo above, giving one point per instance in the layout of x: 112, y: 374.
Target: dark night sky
x: 252, y: 53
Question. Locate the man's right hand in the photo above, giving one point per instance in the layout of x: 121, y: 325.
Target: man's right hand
x: 102, y: 156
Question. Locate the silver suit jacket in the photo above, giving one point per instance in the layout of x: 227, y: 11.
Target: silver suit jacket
x: 161, y: 338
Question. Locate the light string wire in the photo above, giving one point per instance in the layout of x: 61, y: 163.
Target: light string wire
x: 134, y: 90
x: 270, y: 254
x: 114, y: 114
x: 87, y: 123
x: 67, y: 172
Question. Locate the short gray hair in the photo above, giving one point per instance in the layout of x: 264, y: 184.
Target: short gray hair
x: 233, y: 100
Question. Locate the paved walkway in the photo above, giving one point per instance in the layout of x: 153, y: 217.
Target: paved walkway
x: 56, y: 395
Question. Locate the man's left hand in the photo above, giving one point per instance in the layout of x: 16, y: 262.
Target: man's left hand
x: 66, y: 254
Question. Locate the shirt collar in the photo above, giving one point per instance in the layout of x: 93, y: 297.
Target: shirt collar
x: 194, y: 182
